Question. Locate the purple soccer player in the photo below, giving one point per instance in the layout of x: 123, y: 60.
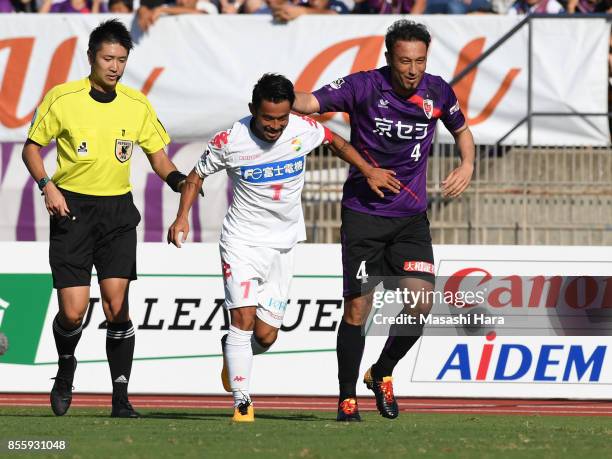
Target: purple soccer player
x: 393, y: 112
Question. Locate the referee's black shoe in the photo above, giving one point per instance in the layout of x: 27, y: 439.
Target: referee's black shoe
x: 122, y: 408
x: 61, y: 393
x: 383, y: 390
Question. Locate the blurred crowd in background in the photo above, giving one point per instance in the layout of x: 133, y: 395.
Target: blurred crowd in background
x: 149, y: 11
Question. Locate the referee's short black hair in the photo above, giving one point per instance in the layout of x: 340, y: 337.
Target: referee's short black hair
x: 274, y: 88
x: 111, y: 31
x: 405, y: 30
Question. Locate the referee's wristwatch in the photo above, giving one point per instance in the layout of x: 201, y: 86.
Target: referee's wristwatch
x: 43, y: 182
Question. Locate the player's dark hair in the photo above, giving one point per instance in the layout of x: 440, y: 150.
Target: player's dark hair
x: 111, y: 31
x: 128, y: 3
x: 273, y: 88
x: 405, y: 30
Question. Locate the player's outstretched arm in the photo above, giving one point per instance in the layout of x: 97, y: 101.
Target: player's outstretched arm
x: 305, y: 103
x: 459, y: 179
x: 178, y: 231
x: 377, y: 178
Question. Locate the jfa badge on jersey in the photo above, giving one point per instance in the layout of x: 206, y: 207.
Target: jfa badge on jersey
x: 428, y: 108
x: 123, y: 149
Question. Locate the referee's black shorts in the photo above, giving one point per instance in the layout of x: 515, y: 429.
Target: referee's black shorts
x: 100, y: 232
x: 376, y: 248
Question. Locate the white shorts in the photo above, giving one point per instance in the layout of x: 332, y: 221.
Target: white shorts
x: 257, y: 276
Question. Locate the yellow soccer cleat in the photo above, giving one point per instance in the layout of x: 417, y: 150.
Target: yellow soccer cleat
x: 225, y: 378
x: 244, y: 412
x: 224, y: 372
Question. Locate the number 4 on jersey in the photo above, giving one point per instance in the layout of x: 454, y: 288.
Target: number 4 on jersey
x: 362, y: 275
x: 416, y: 152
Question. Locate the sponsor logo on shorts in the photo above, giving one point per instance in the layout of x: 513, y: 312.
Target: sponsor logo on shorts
x: 419, y: 266
x: 226, y: 269
x: 275, y: 316
x: 239, y: 378
x: 279, y: 305
x: 123, y: 149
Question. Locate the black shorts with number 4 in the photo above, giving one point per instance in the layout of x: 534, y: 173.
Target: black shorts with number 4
x: 376, y: 247
x: 100, y: 231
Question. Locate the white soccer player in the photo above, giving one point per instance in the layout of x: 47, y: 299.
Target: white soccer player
x: 265, y: 157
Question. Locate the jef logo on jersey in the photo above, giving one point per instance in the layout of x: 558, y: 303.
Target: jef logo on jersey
x: 428, y: 108
x: 296, y: 144
x: 123, y: 149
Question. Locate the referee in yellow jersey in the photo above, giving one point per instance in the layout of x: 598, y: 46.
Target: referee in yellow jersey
x: 96, y: 123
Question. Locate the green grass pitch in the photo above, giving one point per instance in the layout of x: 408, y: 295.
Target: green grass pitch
x: 305, y: 434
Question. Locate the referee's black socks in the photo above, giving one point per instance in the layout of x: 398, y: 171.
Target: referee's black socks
x: 120, y: 340
x: 349, y: 350
x: 66, y: 340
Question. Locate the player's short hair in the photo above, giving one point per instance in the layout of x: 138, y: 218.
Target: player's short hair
x: 406, y: 30
x: 273, y: 88
x: 128, y: 3
x: 111, y: 31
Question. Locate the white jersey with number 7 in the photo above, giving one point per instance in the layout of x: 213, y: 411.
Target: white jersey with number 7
x: 267, y: 180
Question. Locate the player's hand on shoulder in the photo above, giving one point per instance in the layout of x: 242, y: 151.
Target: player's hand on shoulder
x: 458, y: 180
x: 378, y: 178
x: 178, y: 231
x: 55, y: 201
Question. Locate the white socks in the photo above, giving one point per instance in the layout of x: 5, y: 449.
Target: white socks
x: 239, y: 358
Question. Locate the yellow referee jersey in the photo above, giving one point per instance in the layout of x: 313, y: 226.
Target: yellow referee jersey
x: 95, y: 140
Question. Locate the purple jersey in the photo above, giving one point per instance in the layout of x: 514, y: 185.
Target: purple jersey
x: 389, y: 7
x: 6, y: 6
x: 67, y: 7
x: 586, y: 6
x: 391, y: 132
